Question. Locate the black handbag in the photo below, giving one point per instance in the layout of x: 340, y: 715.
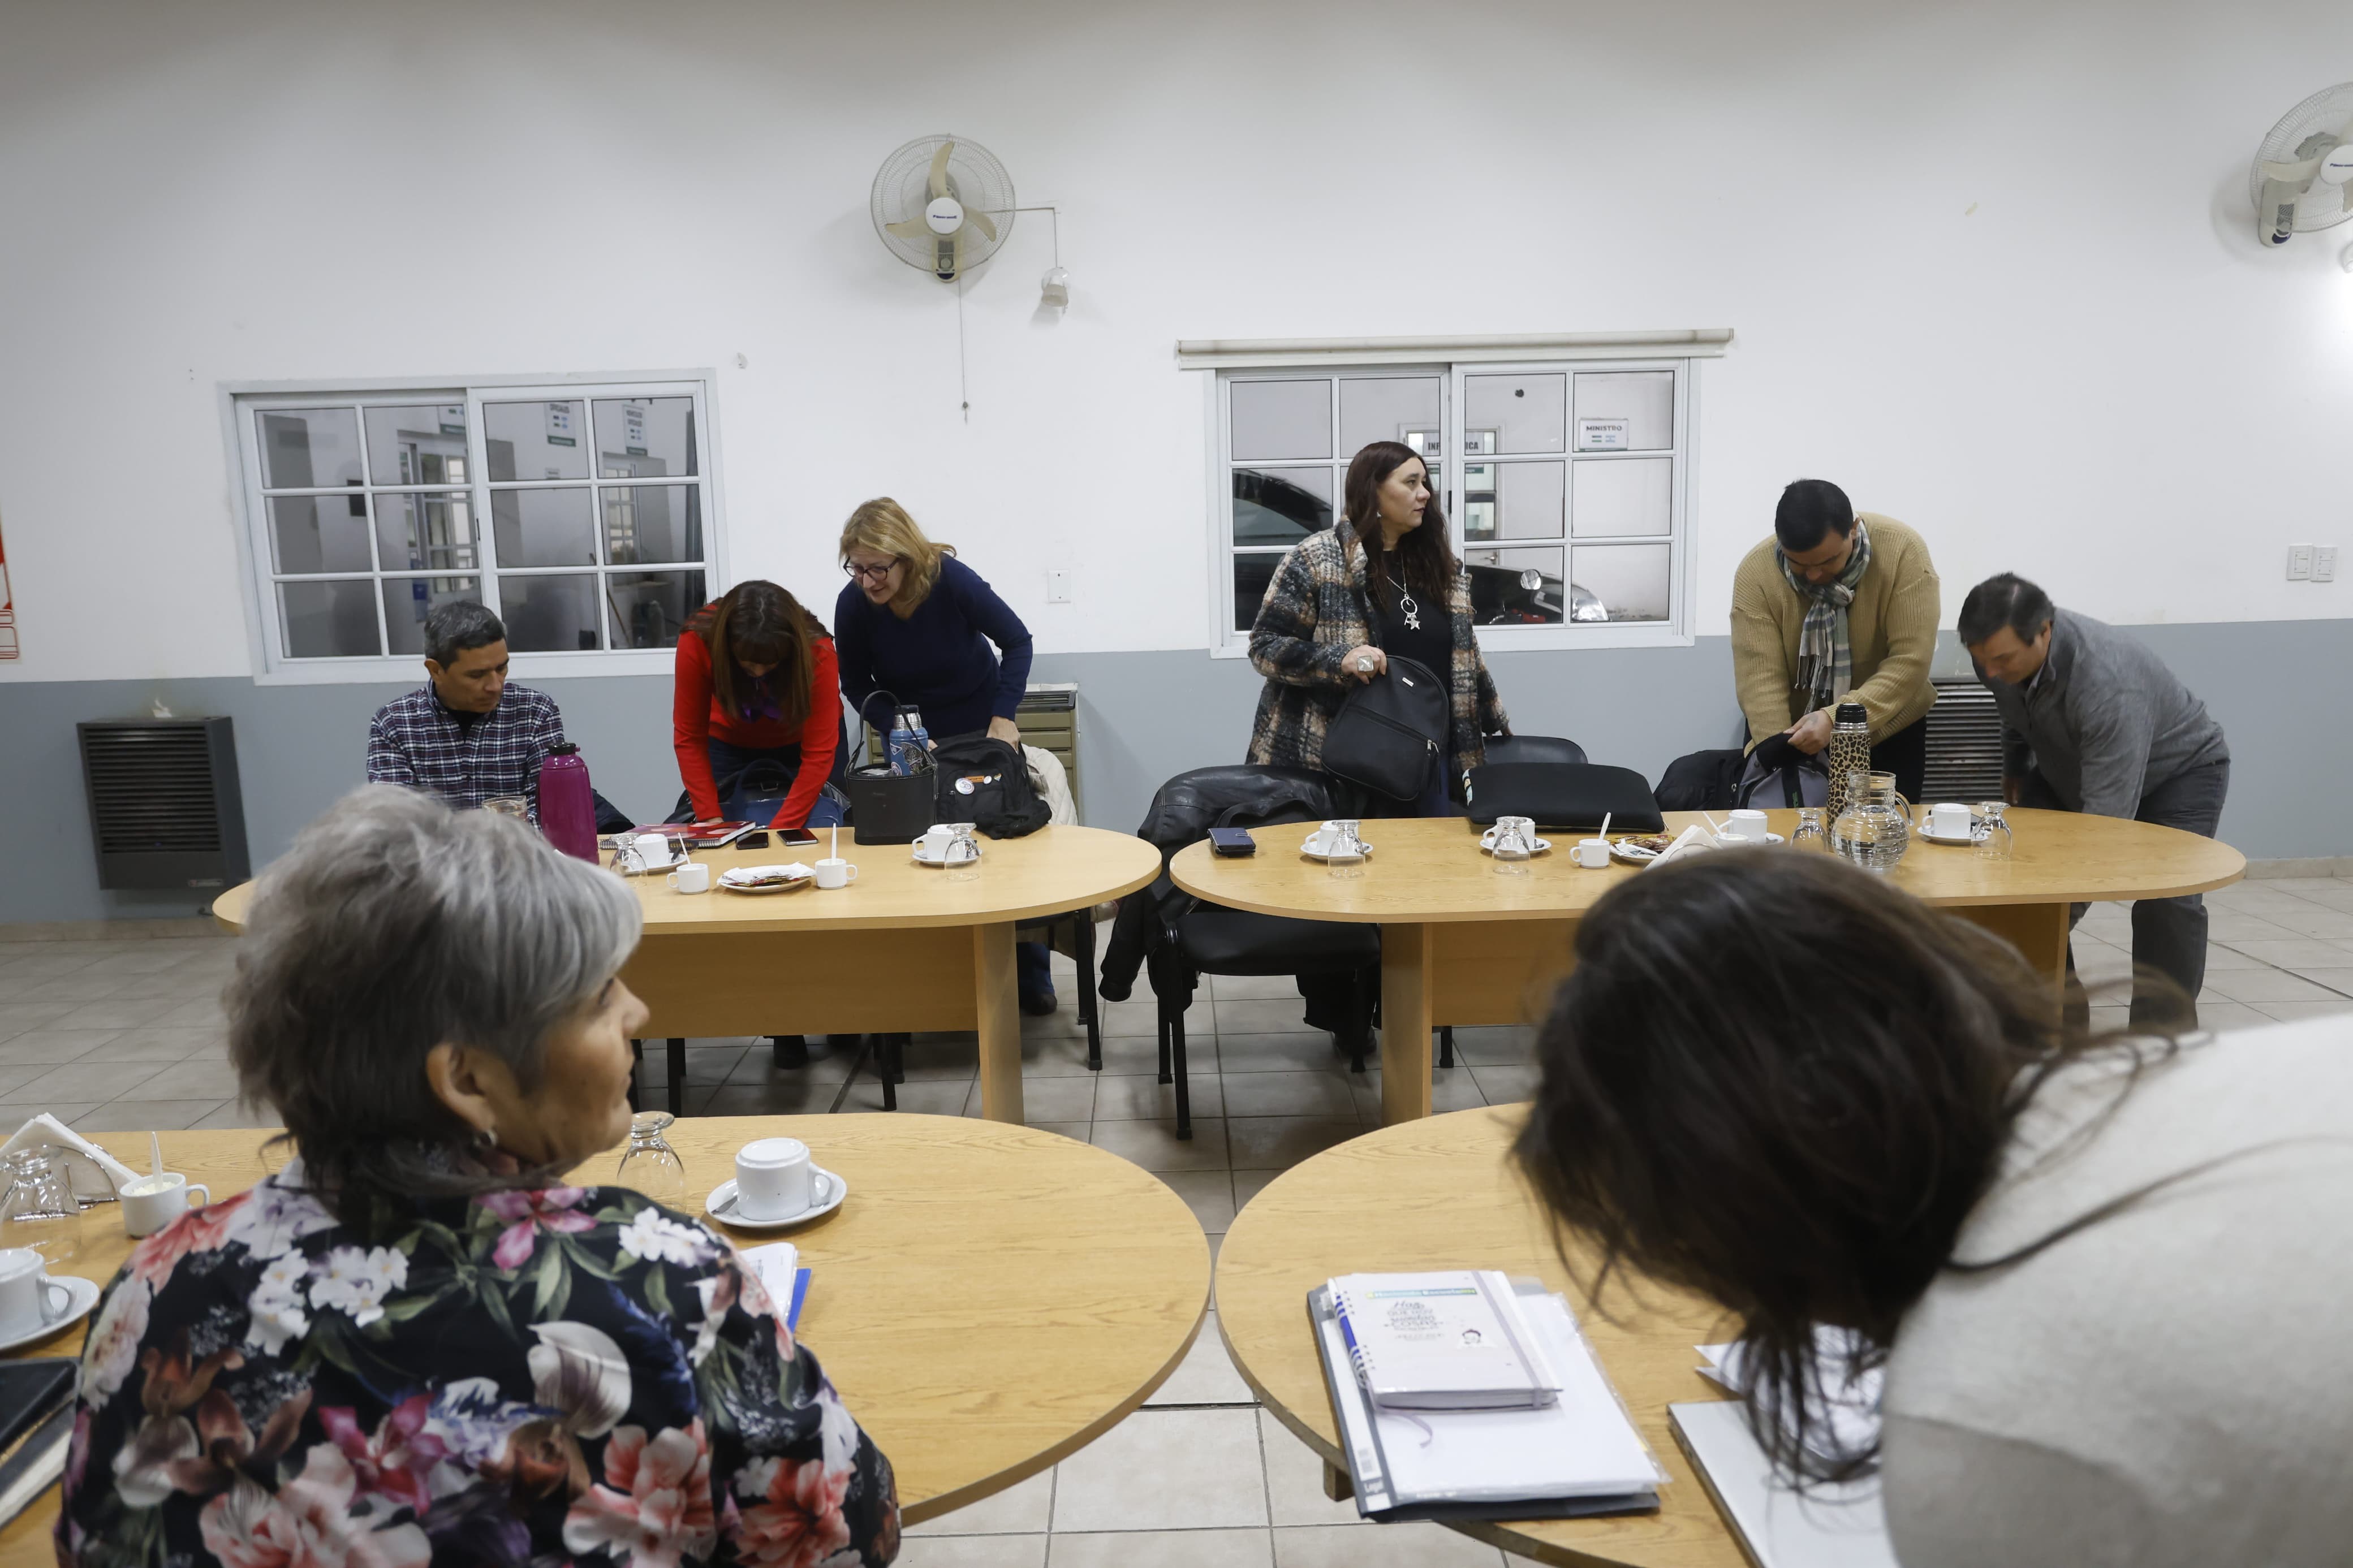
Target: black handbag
x: 1389, y: 735
x: 1570, y: 796
x: 887, y: 807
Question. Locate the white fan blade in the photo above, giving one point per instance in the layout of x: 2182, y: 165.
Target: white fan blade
x: 2293, y: 173
x: 940, y: 168
x: 980, y: 219
x: 913, y: 228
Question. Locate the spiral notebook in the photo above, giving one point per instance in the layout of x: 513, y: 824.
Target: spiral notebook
x: 1451, y: 1339
x: 1579, y: 1455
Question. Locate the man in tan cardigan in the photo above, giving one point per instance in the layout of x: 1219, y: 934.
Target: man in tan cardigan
x: 1837, y: 606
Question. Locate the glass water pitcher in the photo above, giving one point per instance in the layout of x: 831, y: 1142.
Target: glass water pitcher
x: 1875, y: 828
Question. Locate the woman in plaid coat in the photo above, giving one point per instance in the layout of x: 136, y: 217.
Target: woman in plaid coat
x: 1313, y: 638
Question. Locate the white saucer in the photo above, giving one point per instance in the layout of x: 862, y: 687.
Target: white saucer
x: 923, y: 859
x: 84, y: 1293
x: 802, y: 876
x: 1308, y: 849
x: 1487, y: 843
x: 721, y: 1204
x: 1961, y: 843
x: 1769, y: 838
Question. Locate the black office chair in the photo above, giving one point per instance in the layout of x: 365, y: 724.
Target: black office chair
x: 1176, y: 939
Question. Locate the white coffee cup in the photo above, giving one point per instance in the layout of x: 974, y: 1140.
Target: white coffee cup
x: 151, y: 1203
x: 1592, y: 854
x: 772, y: 1178
x: 835, y: 872
x: 24, y: 1292
x: 653, y: 851
x: 937, y: 839
x: 693, y: 878
x: 1949, y: 819
x: 1748, y: 825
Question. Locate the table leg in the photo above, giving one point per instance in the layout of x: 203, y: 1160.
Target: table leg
x: 2039, y: 932
x: 998, y: 1016
x: 1405, y: 1023
x: 1337, y: 1484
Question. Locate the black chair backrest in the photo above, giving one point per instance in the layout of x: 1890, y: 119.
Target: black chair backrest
x: 1534, y: 749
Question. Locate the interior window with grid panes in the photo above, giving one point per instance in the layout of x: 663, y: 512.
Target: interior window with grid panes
x: 372, y: 509
x: 1289, y: 441
x: 1568, y: 494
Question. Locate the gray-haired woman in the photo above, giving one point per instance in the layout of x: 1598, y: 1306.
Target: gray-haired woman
x: 415, y: 1341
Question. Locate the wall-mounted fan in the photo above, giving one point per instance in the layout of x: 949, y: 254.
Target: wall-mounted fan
x: 943, y: 204
x: 2303, y: 178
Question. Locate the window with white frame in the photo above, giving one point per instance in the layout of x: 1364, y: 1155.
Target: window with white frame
x: 582, y: 513
x: 1562, y: 486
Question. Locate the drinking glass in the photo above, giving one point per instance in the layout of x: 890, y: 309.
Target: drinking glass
x: 1511, y: 850
x: 964, y: 854
x: 1346, y: 856
x: 40, y: 1210
x: 649, y: 1164
x: 1992, y: 833
x: 1810, y: 833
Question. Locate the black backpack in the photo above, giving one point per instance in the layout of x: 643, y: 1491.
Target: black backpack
x: 1703, y: 781
x: 1389, y: 735
x: 984, y: 782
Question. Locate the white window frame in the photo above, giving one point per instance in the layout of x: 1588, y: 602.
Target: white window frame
x: 1452, y: 360
x: 241, y: 402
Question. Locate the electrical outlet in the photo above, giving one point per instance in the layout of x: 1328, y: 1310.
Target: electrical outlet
x: 2323, y: 564
x: 1057, y: 587
x: 2299, y: 562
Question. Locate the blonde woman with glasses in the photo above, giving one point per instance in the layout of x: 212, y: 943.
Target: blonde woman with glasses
x: 918, y: 622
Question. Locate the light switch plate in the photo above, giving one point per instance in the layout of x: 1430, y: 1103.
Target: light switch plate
x: 2323, y: 564
x: 2299, y: 562
x: 1057, y: 587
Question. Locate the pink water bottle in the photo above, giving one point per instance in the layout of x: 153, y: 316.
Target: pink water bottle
x: 567, y: 808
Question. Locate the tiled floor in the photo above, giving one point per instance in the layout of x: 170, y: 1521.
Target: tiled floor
x: 120, y: 1032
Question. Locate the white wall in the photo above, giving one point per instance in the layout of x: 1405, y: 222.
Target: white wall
x: 1990, y: 266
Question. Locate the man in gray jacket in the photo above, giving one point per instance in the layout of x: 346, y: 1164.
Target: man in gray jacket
x: 2093, y: 721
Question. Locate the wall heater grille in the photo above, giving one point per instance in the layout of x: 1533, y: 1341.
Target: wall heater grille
x: 1964, y: 745
x: 164, y: 806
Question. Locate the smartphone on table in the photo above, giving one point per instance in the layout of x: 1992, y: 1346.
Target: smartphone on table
x: 796, y: 837
x: 1232, y: 841
x: 755, y: 839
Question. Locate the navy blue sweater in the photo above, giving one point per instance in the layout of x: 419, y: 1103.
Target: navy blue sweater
x: 938, y: 659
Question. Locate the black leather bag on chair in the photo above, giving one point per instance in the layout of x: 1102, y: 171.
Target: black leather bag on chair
x: 982, y: 780
x: 887, y: 807
x: 1389, y: 735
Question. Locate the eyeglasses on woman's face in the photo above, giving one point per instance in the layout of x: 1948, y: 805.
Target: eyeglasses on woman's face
x: 865, y: 572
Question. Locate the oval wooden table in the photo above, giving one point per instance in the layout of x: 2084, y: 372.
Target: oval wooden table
x: 1463, y: 945
x: 903, y: 948
x: 988, y: 1299
x: 1436, y: 1194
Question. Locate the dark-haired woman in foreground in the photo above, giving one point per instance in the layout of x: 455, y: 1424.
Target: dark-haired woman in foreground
x: 1382, y: 580
x: 2106, y: 1278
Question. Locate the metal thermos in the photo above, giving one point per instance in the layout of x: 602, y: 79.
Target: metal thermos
x: 567, y: 806
x: 909, y: 739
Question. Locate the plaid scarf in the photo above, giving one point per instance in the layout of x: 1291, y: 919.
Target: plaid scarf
x: 1825, y: 656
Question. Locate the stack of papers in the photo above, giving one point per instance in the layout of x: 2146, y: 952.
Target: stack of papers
x: 1839, y: 1526
x: 778, y: 1265
x: 1578, y: 1454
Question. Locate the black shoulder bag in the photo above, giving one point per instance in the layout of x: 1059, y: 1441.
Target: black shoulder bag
x: 1389, y: 735
x: 887, y: 807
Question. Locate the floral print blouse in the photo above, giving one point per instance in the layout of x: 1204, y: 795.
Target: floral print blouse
x: 532, y: 1378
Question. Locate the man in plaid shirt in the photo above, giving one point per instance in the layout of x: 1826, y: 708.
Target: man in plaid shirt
x: 469, y: 734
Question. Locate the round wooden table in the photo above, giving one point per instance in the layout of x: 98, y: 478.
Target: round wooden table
x: 1463, y: 945
x: 903, y: 948
x: 988, y: 1299
x: 1436, y: 1194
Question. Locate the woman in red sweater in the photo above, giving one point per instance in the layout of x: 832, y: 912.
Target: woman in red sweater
x: 757, y: 681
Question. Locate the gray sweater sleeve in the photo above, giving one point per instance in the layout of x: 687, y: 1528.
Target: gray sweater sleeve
x: 2114, y: 728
